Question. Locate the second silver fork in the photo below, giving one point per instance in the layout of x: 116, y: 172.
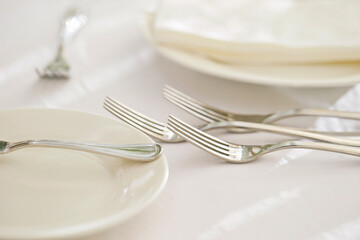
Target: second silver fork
x: 238, y: 153
x: 161, y: 132
x: 211, y: 114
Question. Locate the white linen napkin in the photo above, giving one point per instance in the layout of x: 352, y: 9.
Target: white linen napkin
x: 261, y: 31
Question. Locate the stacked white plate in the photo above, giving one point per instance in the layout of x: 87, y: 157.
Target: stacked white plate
x: 288, y: 43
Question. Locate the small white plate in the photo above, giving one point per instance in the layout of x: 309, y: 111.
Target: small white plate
x: 55, y: 193
x: 299, y: 75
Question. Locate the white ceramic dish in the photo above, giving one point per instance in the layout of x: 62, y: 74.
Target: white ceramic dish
x: 301, y: 75
x: 57, y: 193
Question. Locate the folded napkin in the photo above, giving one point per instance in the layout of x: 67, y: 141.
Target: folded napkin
x: 261, y: 31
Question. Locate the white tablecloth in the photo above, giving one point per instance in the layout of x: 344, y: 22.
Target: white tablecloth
x: 292, y: 194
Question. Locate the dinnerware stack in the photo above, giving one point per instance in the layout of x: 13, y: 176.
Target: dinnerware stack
x: 289, y: 43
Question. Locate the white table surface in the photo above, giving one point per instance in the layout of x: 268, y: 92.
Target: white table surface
x: 292, y: 194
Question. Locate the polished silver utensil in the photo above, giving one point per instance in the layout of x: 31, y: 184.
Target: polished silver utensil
x: 138, y: 152
x: 236, y: 153
x: 59, y: 68
x: 151, y: 127
x: 160, y: 130
x: 211, y: 114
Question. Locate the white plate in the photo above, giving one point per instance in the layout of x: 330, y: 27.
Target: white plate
x: 55, y: 193
x: 301, y: 75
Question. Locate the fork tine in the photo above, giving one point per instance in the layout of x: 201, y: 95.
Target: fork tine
x: 145, y: 127
x: 129, y: 117
x: 131, y: 122
x: 199, y: 143
x: 200, y: 113
x: 175, y: 91
x: 38, y: 72
x: 197, y: 131
x: 136, y: 115
x: 199, y: 138
x: 204, y: 112
x: 52, y: 75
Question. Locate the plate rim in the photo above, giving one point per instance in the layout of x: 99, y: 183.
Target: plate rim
x: 90, y: 228
x: 214, y: 71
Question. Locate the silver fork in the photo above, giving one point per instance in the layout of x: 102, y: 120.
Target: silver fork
x: 161, y: 132
x: 212, y: 114
x: 144, y: 123
x: 59, y: 68
x: 236, y: 153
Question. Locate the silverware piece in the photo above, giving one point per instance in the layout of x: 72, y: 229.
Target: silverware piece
x: 138, y: 152
x: 236, y: 153
x: 161, y: 132
x: 59, y: 68
x: 211, y: 114
x: 151, y: 127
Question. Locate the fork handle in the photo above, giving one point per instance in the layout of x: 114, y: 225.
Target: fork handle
x: 311, y: 112
x: 140, y: 152
x: 307, y: 145
x: 73, y: 21
x: 284, y: 131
